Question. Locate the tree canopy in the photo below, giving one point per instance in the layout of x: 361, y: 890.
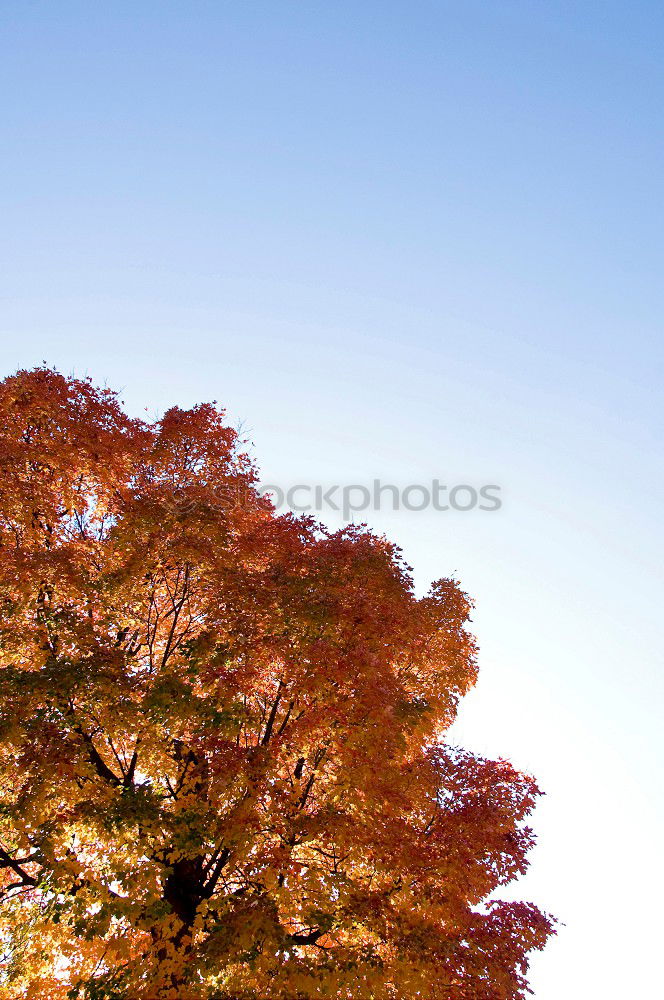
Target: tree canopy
x: 224, y: 772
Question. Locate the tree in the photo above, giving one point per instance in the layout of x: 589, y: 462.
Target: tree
x: 221, y: 734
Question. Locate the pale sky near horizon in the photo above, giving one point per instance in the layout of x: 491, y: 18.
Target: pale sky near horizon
x: 409, y: 241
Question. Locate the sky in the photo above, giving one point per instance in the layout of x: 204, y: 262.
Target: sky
x: 402, y: 241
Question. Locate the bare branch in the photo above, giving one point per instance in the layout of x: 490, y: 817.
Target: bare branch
x: 6, y: 861
x: 273, y: 715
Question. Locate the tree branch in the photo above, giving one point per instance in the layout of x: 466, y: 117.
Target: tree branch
x: 211, y: 884
x: 6, y: 861
x: 273, y: 715
x: 129, y: 776
x: 310, y: 938
x: 100, y: 766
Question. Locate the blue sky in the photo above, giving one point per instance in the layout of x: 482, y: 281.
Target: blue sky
x: 405, y: 240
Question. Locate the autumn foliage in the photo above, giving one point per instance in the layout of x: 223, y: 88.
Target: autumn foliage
x: 224, y: 772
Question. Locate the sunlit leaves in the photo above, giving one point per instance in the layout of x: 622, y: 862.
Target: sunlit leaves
x: 222, y: 734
